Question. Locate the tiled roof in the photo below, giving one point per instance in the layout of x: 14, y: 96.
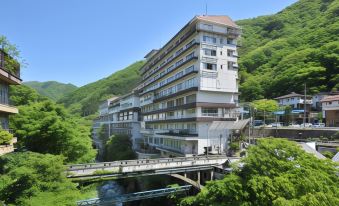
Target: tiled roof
x: 293, y: 94
x: 218, y: 19
x: 330, y: 98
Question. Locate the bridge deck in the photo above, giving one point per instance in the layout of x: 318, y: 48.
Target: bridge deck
x: 128, y: 168
x: 134, y: 196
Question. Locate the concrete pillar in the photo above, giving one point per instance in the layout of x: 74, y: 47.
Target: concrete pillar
x: 212, y: 174
x: 198, y: 177
x: 185, y: 175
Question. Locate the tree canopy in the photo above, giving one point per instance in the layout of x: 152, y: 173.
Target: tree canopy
x: 46, y: 127
x: 33, y: 179
x: 119, y: 147
x: 275, y: 172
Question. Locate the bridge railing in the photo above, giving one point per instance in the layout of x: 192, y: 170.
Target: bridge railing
x: 140, y: 161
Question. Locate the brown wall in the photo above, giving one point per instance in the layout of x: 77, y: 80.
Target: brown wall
x: 332, y: 118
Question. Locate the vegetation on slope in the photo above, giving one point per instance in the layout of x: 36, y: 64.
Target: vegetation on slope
x: 86, y: 99
x: 298, y: 45
x: 51, y: 89
x: 275, y: 172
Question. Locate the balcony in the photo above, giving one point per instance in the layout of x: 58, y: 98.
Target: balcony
x: 8, y: 109
x: 9, y: 69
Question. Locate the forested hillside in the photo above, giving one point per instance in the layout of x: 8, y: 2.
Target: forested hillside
x: 51, y: 89
x: 86, y: 99
x: 298, y: 45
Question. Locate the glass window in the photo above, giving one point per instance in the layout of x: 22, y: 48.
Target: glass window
x: 180, y: 101
x: 210, y: 52
x: 209, y: 66
x: 209, y: 39
x: 191, y: 98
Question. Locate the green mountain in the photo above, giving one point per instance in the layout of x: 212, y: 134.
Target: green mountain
x: 85, y: 100
x: 51, y: 89
x: 282, y: 52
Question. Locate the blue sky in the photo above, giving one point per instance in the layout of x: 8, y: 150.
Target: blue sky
x: 81, y: 41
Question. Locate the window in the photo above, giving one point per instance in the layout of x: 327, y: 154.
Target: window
x: 230, y: 52
x: 170, y: 58
x: 230, y: 41
x: 179, y: 62
x: 221, y: 40
x: 208, y: 26
x: 209, y: 39
x: 191, y: 111
x: 189, y: 44
x: 180, y: 74
x: 191, y: 55
x: 178, y: 52
x: 209, y: 66
x: 220, y: 52
x: 170, y: 68
x: 212, y: 112
x: 210, y: 52
x: 170, y: 104
x: 189, y: 69
x: 191, y: 98
x: 179, y: 101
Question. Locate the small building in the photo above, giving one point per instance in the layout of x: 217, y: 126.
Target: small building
x: 316, y: 99
x: 296, y: 101
x: 330, y: 108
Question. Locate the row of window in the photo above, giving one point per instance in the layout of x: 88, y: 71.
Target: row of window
x: 191, y: 127
x: 178, y: 114
x: 170, y: 103
x: 169, y: 69
x: 213, y: 40
x: 170, y: 79
x: 177, y: 53
x: 181, y: 86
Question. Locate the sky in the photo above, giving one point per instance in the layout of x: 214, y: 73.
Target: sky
x: 82, y: 41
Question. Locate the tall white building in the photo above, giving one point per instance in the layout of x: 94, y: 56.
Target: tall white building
x: 188, y: 84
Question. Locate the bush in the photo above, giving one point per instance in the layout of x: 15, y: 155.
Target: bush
x: 5, y: 137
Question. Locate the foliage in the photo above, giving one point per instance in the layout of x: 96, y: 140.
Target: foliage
x: 328, y: 154
x: 23, y: 95
x: 9, y: 48
x: 268, y: 105
x: 36, y: 179
x: 119, y: 147
x: 85, y: 100
x: 275, y: 172
x: 51, y: 89
x: 5, y: 137
x: 283, y: 51
x: 46, y: 127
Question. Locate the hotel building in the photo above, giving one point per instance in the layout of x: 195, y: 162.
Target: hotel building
x: 9, y: 75
x: 187, y: 85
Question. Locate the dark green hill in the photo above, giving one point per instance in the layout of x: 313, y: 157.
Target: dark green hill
x: 283, y: 51
x: 51, y: 89
x: 85, y: 100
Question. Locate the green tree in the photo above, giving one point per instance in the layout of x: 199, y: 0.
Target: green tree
x: 268, y: 105
x: 46, y: 127
x: 119, y: 147
x: 36, y: 179
x: 275, y: 172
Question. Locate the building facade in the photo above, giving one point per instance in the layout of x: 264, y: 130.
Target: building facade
x: 125, y: 119
x: 330, y: 108
x: 189, y: 83
x: 9, y: 75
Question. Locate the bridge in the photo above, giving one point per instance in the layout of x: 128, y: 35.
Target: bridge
x: 134, y: 196
x: 144, y: 167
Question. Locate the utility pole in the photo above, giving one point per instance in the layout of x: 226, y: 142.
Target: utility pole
x: 304, y: 119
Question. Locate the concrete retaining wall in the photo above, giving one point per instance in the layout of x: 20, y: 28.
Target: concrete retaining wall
x: 293, y: 133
